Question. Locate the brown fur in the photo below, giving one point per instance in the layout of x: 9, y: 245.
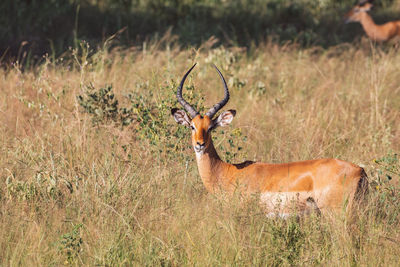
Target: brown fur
x: 378, y: 33
x: 329, y: 183
x: 313, y: 185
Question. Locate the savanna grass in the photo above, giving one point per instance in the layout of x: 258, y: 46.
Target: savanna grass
x: 80, y: 191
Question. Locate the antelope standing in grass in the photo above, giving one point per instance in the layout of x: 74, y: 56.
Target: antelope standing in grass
x: 378, y: 33
x: 320, y: 184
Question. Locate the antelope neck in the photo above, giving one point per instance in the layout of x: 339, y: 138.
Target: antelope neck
x: 371, y: 28
x: 211, y: 167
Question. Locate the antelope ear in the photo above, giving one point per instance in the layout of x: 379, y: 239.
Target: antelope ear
x: 180, y: 116
x: 225, y: 118
x: 366, y: 6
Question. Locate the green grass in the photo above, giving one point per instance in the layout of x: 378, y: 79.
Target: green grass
x: 77, y: 188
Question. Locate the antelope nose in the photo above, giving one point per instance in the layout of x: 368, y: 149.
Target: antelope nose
x: 200, y: 144
x: 199, y: 147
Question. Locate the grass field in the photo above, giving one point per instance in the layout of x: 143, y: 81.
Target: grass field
x: 86, y: 180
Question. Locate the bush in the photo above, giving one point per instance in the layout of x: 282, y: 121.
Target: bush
x: 103, y: 106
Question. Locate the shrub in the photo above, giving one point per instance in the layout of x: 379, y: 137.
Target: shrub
x: 70, y: 244
x: 103, y: 106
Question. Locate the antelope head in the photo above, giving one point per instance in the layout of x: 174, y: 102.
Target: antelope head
x: 354, y: 15
x: 202, y: 126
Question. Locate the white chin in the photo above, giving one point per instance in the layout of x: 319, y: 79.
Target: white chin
x: 199, y: 152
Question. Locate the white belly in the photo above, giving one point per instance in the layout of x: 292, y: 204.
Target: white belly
x: 285, y: 204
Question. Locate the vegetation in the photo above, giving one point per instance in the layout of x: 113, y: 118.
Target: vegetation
x: 94, y: 171
x: 31, y: 28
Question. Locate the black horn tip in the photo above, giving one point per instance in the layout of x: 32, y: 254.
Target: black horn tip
x: 184, y: 77
x: 220, y: 75
x: 181, y: 100
x: 194, y: 65
x: 215, y: 66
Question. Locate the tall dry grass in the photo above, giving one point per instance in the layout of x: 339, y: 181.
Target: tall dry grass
x: 83, y: 193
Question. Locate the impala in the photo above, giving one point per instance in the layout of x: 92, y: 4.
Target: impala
x: 378, y: 33
x: 320, y: 184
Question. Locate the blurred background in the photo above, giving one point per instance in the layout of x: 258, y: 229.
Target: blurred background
x: 38, y: 27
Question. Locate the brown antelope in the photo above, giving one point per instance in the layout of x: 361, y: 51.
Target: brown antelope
x: 378, y: 33
x: 320, y: 184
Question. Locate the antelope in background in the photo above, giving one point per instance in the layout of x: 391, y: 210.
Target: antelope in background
x: 378, y: 33
x: 312, y: 185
